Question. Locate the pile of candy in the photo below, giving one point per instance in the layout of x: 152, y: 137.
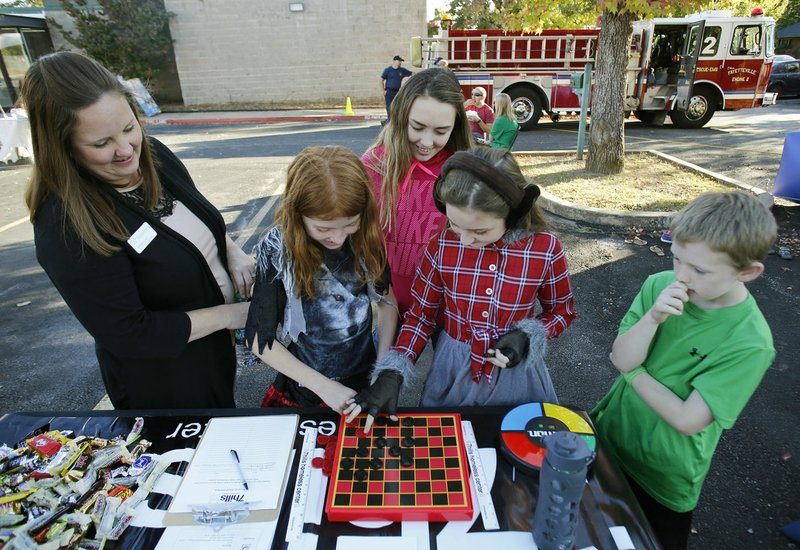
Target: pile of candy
x: 62, y: 491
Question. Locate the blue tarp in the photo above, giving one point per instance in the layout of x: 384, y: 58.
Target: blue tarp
x: 787, y: 182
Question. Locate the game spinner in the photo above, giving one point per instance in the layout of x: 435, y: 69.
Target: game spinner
x: 411, y: 469
x: 523, y: 428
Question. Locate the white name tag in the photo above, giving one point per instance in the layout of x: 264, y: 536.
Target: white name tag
x: 142, y: 237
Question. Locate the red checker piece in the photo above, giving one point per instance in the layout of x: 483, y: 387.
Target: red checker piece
x: 424, y: 499
x: 317, y: 462
x: 330, y: 451
x: 323, y: 439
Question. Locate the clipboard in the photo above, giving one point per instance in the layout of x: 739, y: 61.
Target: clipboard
x: 211, y: 489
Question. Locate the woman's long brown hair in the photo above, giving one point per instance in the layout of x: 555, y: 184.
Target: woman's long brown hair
x: 327, y: 183
x: 55, y: 88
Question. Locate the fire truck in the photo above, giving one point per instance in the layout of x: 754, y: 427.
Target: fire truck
x: 687, y: 68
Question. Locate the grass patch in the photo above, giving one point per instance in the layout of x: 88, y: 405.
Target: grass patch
x: 648, y: 182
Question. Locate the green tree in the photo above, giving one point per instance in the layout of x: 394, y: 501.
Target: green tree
x: 129, y: 37
x: 790, y: 15
x: 477, y: 14
x: 606, y: 154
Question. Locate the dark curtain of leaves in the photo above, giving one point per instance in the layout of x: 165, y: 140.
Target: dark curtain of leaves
x: 476, y: 14
x: 129, y: 37
x: 790, y: 16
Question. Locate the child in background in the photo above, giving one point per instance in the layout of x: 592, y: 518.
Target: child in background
x: 318, y: 270
x: 428, y: 124
x: 505, y: 127
x: 486, y: 271
x: 692, y: 349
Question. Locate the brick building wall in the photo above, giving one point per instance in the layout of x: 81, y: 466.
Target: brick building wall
x: 248, y: 51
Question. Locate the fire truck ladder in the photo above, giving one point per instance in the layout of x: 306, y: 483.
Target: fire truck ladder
x: 485, y: 52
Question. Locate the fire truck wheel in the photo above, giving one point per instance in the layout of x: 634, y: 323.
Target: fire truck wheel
x: 701, y: 108
x: 527, y: 106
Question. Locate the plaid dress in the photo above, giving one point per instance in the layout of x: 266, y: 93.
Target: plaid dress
x: 484, y: 292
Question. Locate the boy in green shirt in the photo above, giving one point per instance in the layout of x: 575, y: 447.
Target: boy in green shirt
x: 691, y: 350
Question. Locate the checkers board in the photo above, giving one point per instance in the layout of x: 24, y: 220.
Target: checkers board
x: 411, y: 469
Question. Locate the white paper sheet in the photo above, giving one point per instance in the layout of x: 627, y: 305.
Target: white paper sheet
x: 622, y: 538
x: 264, y: 444
x: 370, y: 543
x: 242, y: 536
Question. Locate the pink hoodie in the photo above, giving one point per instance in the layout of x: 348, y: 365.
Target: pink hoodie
x: 416, y: 219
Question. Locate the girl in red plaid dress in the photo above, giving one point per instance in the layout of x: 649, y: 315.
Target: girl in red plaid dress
x: 486, y: 270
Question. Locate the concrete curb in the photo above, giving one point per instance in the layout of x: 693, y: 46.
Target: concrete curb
x: 620, y: 218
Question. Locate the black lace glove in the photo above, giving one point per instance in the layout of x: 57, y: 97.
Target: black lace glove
x: 513, y: 345
x: 382, y: 395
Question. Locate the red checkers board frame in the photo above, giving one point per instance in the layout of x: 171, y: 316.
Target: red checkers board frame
x: 434, y: 487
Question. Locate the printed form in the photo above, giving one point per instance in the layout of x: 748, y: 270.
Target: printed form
x: 264, y: 447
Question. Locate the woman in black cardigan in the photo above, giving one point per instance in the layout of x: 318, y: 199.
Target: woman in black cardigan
x: 139, y: 255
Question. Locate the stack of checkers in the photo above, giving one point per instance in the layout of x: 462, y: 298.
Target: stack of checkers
x: 413, y: 468
x: 326, y: 461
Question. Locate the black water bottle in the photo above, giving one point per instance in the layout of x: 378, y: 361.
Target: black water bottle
x: 561, y: 482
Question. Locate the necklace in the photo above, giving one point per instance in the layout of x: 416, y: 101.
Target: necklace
x: 164, y: 206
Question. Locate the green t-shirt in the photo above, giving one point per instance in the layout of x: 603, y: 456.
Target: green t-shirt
x: 504, y: 130
x: 721, y: 353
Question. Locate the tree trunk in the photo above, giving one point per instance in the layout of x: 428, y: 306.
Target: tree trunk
x: 607, y: 136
